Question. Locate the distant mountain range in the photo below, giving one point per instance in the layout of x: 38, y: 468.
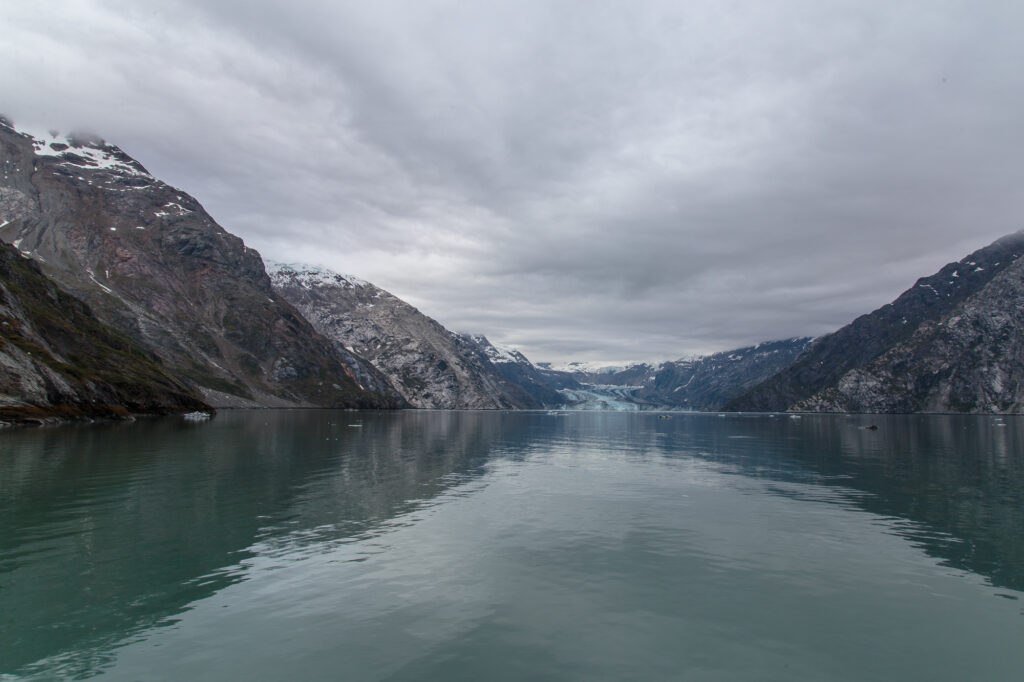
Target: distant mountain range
x: 119, y: 294
x: 701, y: 383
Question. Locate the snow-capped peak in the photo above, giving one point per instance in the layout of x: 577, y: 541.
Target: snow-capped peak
x: 502, y: 354
x: 309, y: 276
x: 589, y: 367
x: 85, y: 152
x: 496, y: 353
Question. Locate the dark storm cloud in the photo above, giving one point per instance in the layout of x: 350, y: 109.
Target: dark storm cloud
x: 581, y: 180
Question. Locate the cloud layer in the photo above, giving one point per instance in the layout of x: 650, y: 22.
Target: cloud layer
x: 596, y: 181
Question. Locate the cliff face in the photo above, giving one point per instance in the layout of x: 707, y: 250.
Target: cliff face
x: 58, y: 360
x: 969, y: 360
x: 517, y: 369
x: 902, y: 324
x: 153, y: 264
x: 428, y: 365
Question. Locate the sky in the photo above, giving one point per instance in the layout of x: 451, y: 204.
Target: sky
x: 578, y: 179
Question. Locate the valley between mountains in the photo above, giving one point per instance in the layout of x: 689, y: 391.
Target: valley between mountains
x: 121, y: 295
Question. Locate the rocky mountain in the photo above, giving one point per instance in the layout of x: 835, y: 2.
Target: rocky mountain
x: 636, y: 374
x: 711, y: 381
x: 151, y: 263
x: 430, y: 366
x: 698, y: 383
x: 543, y: 386
x: 951, y: 343
x: 57, y: 360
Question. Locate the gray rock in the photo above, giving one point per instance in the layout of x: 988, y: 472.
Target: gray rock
x: 427, y: 364
x: 969, y: 360
x: 810, y: 382
x: 58, y: 361
x: 152, y: 263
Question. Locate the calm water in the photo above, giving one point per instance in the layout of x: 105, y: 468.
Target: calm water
x: 274, y: 545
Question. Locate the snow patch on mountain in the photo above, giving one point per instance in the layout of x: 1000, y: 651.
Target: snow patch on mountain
x: 430, y: 366
x: 83, y: 152
x: 496, y: 353
x: 312, y: 276
x: 589, y: 367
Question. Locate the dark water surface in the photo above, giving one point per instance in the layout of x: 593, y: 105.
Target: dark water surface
x: 278, y: 545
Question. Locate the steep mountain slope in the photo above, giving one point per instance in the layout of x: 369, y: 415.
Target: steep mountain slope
x: 711, y: 381
x: 928, y: 302
x: 58, y: 360
x: 430, y: 366
x: 970, y: 360
x: 517, y: 369
x: 152, y: 263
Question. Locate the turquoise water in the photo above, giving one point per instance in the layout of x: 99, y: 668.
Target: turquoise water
x: 273, y: 545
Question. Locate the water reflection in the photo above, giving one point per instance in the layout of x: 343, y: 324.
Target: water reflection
x: 108, y: 531
x: 953, y: 485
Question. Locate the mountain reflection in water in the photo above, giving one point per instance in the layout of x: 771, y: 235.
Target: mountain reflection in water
x: 110, y: 532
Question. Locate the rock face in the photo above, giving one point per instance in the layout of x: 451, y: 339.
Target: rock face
x: 428, y: 365
x: 971, y: 360
x: 951, y: 343
x: 542, y: 386
x: 153, y: 264
x: 57, y: 360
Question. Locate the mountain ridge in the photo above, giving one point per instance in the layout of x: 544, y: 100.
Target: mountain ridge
x: 150, y: 262
x: 928, y: 303
x: 157, y: 275
x: 428, y: 365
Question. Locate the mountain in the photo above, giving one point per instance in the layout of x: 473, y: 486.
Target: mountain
x: 150, y: 262
x: 700, y: 383
x: 950, y: 343
x: 636, y: 374
x: 57, y: 360
x: 430, y: 366
x: 542, y: 386
x: 603, y: 387
x: 711, y: 381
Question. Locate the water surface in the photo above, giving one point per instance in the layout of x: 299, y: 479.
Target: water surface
x: 268, y: 545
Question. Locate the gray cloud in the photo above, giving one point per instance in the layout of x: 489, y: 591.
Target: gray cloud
x: 582, y: 180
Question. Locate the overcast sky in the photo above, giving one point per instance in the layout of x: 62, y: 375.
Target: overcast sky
x: 579, y: 179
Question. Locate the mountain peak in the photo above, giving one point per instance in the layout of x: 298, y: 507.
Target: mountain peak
x: 310, y: 276
x: 85, y: 151
x: 430, y: 366
x: 496, y: 353
x: 152, y: 264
